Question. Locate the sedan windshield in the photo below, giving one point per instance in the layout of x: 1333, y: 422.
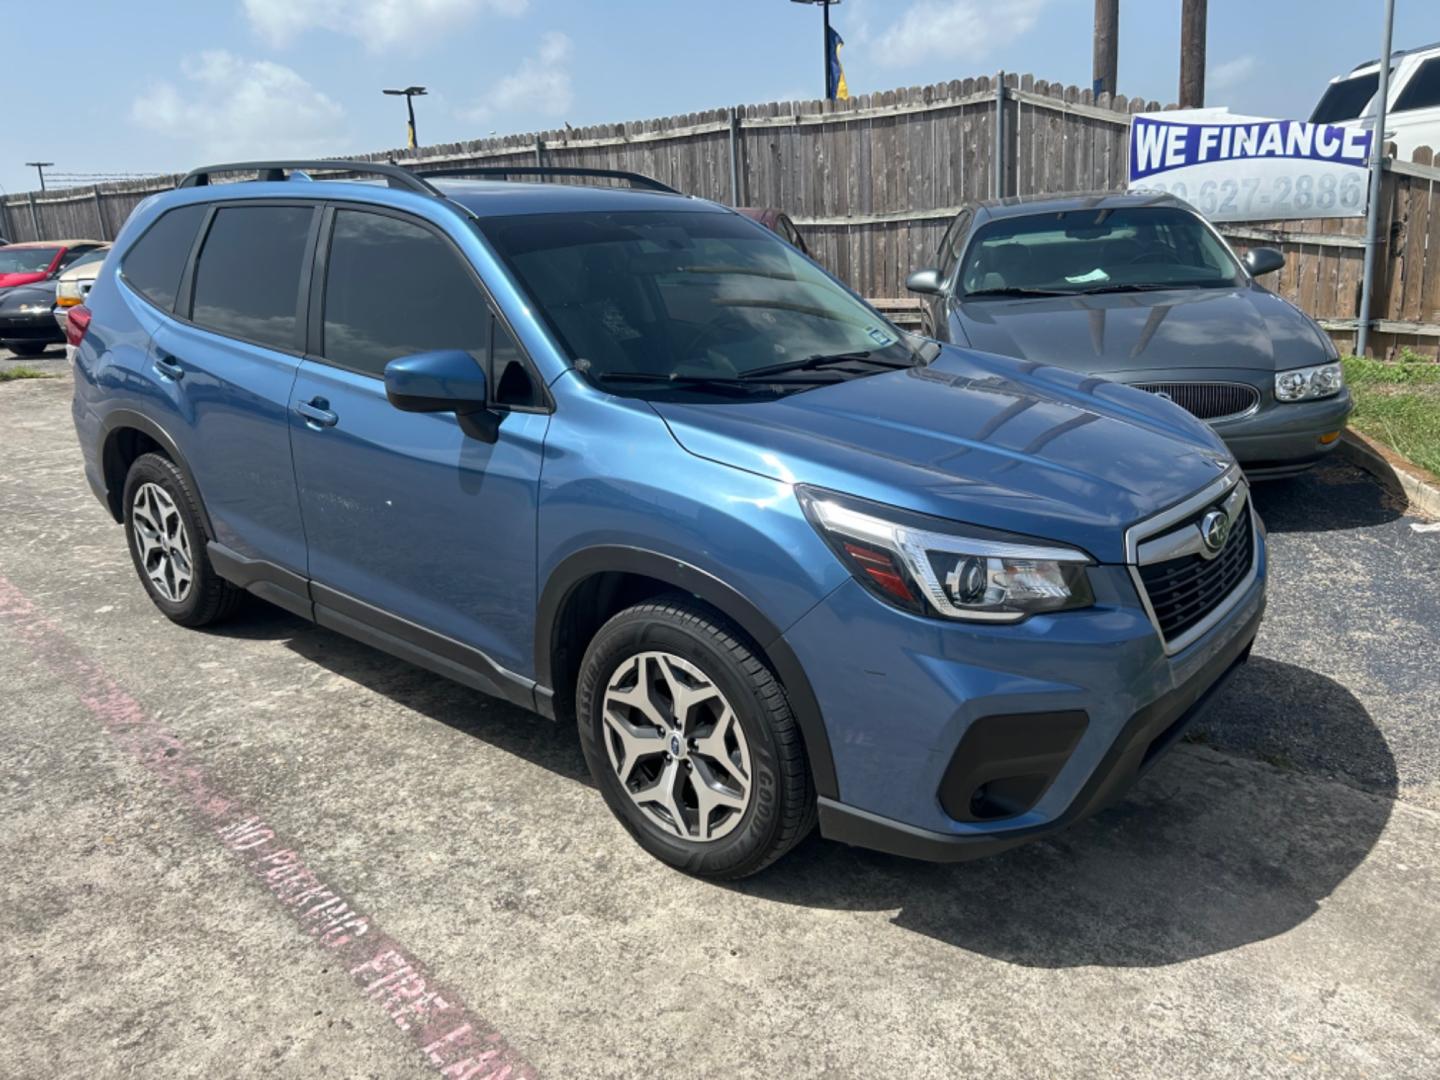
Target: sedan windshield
x: 26, y: 260
x: 691, y: 302
x: 1094, y: 251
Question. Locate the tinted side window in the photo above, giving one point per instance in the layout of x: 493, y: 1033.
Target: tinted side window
x: 1423, y: 89
x: 394, y: 288
x: 154, y: 263
x: 247, y: 280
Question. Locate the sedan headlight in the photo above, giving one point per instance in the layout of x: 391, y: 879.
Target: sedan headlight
x: 1309, y: 383
x: 932, y: 567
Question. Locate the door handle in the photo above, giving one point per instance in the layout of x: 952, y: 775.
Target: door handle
x: 317, y: 413
x: 169, y: 367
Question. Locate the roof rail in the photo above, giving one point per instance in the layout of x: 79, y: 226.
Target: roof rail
x: 394, y: 175
x: 635, y: 179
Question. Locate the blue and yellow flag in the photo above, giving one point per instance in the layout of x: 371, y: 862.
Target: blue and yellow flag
x: 837, y: 88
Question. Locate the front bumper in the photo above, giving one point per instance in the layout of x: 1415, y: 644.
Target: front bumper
x: 1283, y: 438
x: 900, y: 694
x: 38, y: 329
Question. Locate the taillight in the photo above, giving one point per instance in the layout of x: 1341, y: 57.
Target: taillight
x: 76, y: 323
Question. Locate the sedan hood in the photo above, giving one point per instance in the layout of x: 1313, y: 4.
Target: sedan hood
x: 1240, y: 329
x: 981, y: 439
x: 42, y: 292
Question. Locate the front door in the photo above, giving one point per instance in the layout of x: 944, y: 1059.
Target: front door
x: 406, y: 517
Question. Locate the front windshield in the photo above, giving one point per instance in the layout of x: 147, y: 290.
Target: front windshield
x: 1094, y: 251
x: 26, y: 260
x: 689, y: 301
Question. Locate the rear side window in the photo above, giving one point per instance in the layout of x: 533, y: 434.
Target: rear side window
x: 154, y: 264
x: 394, y: 288
x: 1423, y: 89
x: 247, y: 279
x: 1346, y: 99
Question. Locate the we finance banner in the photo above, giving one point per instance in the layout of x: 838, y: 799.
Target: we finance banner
x: 1242, y: 168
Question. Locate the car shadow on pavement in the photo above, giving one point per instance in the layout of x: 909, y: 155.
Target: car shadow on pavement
x: 1330, y: 497
x: 1206, y: 854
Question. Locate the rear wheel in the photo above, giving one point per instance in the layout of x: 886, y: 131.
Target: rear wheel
x: 167, y: 545
x: 691, y: 740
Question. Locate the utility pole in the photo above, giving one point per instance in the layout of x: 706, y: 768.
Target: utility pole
x: 410, y: 93
x: 40, y: 167
x: 1377, y: 181
x: 1107, y: 46
x: 1193, y: 18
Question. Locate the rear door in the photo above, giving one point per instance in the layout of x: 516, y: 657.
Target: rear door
x: 227, y: 363
x: 414, y: 527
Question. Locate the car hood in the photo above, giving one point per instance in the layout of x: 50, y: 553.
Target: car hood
x: 1240, y: 329
x: 42, y: 292
x: 7, y: 280
x: 1022, y: 447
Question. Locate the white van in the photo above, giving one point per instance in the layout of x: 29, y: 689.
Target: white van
x: 1413, y: 118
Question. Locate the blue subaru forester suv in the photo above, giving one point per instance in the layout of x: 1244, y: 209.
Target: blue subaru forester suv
x: 625, y: 457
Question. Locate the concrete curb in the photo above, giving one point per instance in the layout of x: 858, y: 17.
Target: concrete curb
x: 1420, y: 488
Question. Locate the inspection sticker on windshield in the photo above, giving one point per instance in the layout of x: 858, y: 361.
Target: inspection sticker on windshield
x: 879, y: 336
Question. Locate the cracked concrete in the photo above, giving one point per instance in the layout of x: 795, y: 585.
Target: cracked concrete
x: 1264, y: 904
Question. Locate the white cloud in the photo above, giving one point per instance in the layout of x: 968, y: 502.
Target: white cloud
x: 950, y: 30
x: 540, y: 86
x: 380, y: 24
x: 231, y: 107
x: 1231, y: 73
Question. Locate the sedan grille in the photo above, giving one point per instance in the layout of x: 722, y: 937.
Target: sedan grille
x: 1183, y: 591
x: 1208, y: 401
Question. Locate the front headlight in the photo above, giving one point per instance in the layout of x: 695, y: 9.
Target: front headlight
x: 1309, y: 383
x: 932, y: 567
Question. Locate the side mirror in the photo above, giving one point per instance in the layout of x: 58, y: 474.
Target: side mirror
x: 924, y: 281
x: 447, y: 380
x: 1264, y: 260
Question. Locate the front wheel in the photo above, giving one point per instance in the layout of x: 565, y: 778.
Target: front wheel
x: 691, y: 740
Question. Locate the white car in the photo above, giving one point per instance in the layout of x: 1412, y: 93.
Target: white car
x: 1413, y: 117
x: 73, y: 284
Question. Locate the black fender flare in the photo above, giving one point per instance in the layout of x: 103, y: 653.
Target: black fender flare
x: 576, y: 568
x: 117, y: 419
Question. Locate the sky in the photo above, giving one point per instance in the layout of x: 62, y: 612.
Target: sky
x: 140, y: 86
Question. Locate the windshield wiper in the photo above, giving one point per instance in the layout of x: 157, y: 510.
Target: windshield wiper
x: 1142, y: 286
x: 1014, y: 290
x: 821, y: 360
x: 728, y: 382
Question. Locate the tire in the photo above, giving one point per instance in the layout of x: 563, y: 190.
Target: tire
x: 167, y: 503
x: 27, y: 348
x: 740, y: 740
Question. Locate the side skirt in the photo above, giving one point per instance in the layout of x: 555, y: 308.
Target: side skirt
x: 379, y: 629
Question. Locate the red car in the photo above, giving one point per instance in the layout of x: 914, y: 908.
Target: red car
x: 36, y: 260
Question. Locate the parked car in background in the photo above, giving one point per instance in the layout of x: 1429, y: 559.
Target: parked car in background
x: 27, y: 319
x: 779, y: 222
x: 786, y: 561
x: 73, y: 284
x: 37, y: 260
x: 1139, y: 288
x: 1413, y: 115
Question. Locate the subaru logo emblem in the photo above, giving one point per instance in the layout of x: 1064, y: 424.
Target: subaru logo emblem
x: 674, y: 745
x: 1215, y: 529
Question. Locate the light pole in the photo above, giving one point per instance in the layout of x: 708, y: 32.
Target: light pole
x: 40, y: 167
x: 410, y: 93
x: 830, y: 88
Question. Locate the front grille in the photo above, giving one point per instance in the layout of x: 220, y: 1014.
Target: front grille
x: 1208, y: 401
x: 1183, y: 591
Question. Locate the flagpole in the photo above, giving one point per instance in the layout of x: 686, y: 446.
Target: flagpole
x: 829, y: 90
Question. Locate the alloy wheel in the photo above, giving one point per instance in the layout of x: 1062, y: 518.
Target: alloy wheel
x: 676, y: 746
x: 162, y: 542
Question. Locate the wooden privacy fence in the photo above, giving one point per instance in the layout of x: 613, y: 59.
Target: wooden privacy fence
x: 874, y: 181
